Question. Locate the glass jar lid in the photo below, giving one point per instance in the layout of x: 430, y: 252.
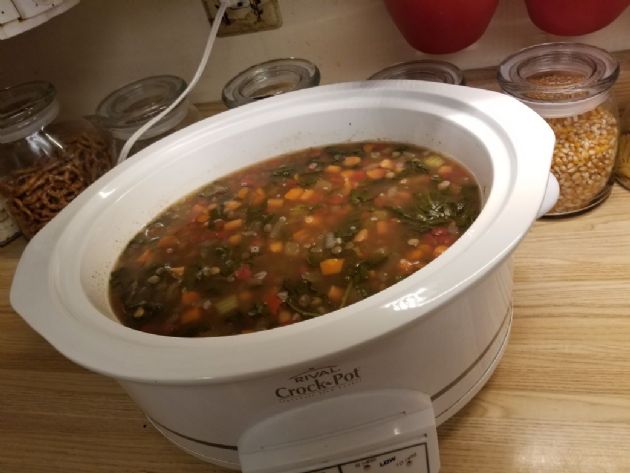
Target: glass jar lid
x: 428, y: 70
x: 559, y: 79
x: 126, y: 109
x: 26, y: 108
x: 268, y: 79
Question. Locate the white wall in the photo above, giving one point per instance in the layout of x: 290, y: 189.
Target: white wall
x: 102, y: 44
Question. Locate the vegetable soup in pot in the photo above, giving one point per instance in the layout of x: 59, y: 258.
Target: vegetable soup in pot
x: 292, y: 238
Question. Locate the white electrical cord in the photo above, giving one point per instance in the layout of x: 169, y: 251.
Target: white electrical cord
x: 202, y: 65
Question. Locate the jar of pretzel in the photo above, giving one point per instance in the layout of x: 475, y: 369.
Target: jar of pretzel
x: 45, y: 164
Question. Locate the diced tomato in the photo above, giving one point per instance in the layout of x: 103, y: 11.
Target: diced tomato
x: 243, y: 273
x: 336, y: 199
x: 447, y: 239
x: 429, y: 239
x: 437, y: 231
x: 359, y: 176
x: 273, y: 302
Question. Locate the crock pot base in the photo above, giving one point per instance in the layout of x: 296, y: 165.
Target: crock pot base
x: 447, y: 402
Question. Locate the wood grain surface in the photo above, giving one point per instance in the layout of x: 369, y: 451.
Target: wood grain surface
x: 559, y: 401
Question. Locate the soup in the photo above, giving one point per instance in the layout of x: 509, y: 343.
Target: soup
x: 292, y: 238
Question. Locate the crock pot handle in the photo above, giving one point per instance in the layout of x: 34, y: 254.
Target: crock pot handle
x: 552, y: 192
x: 389, y: 430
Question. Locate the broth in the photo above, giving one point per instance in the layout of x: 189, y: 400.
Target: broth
x: 292, y: 238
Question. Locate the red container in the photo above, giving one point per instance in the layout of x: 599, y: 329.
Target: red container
x: 574, y: 17
x: 441, y: 26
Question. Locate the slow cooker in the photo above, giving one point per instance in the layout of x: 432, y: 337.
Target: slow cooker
x: 362, y: 387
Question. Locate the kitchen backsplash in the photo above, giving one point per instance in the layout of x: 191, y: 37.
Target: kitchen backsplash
x: 102, y: 44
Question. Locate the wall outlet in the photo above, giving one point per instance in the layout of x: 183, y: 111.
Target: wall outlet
x: 247, y: 17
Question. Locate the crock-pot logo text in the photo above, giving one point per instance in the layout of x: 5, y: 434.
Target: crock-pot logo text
x: 317, y: 381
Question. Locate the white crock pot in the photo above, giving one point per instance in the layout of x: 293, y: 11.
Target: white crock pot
x: 368, y: 383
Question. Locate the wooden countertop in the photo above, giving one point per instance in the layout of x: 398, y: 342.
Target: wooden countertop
x: 559, y: 401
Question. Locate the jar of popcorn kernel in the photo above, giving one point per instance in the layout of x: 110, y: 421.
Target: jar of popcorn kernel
x: 569, y: 85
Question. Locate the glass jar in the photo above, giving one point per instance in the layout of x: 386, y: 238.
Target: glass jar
x: 270, y: 78
x: 126, y: 109
x: 569, y: 84
x: 429, y: 70
x: 45, y: 165
x: 622, y: 170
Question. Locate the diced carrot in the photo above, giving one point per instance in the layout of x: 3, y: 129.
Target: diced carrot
x: 167, y: 241
x: 235, y: 239
x: 202, y: 218
x: 376, y: 173
x: 232, y: 205
x: 233, y: 224
x: 177, y: 271
x: 243, y: 273
x: 347, y: 173
x: 198, y: 208
x: 308, y: 194
x: 190, y: 297
x: 284, y: 317
x: 294, y: 194
x: 387, y: 164
x: 145, y: 257
x: 313, y: 220
x: 301, y: 235
x: 191, y: 315
x: 275, y: 203
x: 335, y: 293
x: 332, y: 169
x: 415, y: 255
x: 350, y: 161
x: 258, y: 197
x: 382, y: 227
x: 439, y: 250
x: 276, y: 246
x: 331, y: 266
x: 361, y: 235
x: 242, y: 193
x: 425, y: 248
x: 245, y: 296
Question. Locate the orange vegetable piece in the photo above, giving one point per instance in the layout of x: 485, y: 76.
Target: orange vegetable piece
x: 276, y: 246
x: 234, y: 239
x: 300, y: 236
x: 350, y: 161
x: 382, y: 227
x: 232, y: 205
x: 177, y: 271
x: 168, y: 241
x: 335, y: 293
x: 275, y: 203
x: 258, y: 197
x: 376, y: 173
x: 332, y: 169
x: 307, y: 195
x: 284, y: 317
x: 331, y: 266
x: 190, y: 297
x: 145, y: 257
x: 294, y: 193
x: 242, y: 193
x: 191, y: 315
x: 202, y: 218
x: 439, y: 250
x: 233, y: 224
x: 361, y: 235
